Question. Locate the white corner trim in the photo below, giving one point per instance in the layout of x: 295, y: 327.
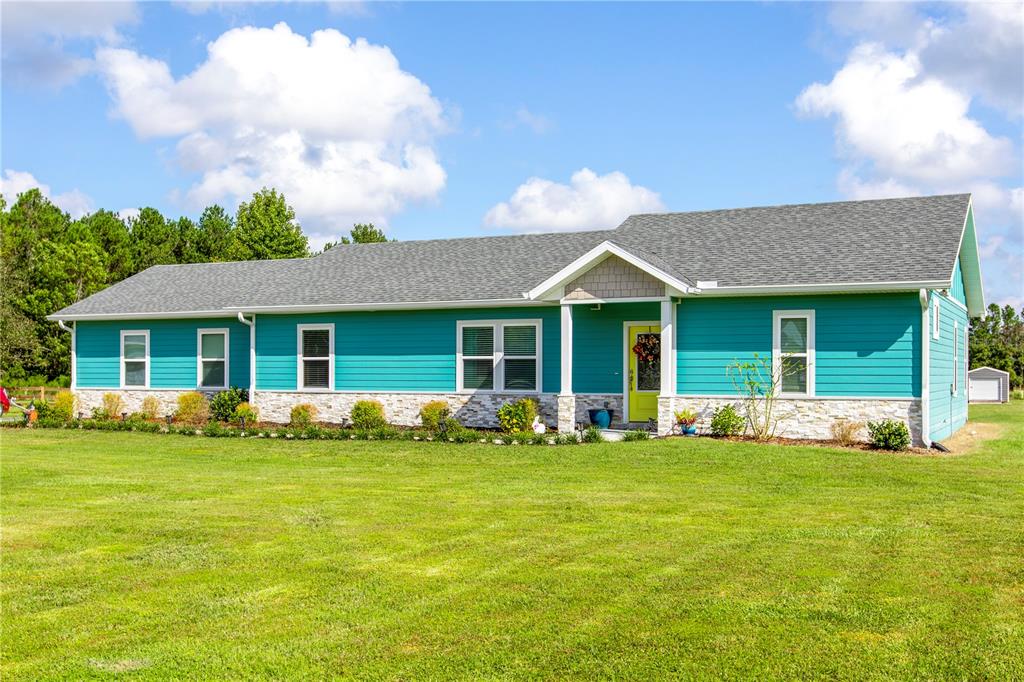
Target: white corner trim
x: 809, y: 355
x: 251, y: 323
x: 565, y: 348
x: 925, y: 366
x: 592, y: 258
x: 121, y: 358
x: 299, y: 328
x: 498, y: 356
x: 199, y: 357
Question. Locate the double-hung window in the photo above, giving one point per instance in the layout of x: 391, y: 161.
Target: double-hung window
x: 316, y: 357
x: 135, y: 358
x: 793, y: 351
x: 499, y: 356
x: 212, y: 358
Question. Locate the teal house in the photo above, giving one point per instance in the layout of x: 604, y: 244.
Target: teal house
x: 860, y: 310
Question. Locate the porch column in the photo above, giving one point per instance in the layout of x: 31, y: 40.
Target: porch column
x: 566, y: 398
x: 668, y: 367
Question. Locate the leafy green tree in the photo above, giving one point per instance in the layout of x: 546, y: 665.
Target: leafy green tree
x: 109, y: 232
x: 154, y: 240
x: 20, y: 350
x: 216, y: 226
x: 997, y: 340
x: 365, y: 233
x: 265, y: 228
x: 31, y: 219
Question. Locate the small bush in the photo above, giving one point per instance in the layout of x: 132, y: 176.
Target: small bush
x: 113, y: 406
x: 193, y: 408
x: 303, y: 415
x: 726, y: 421
x: 845, y: 432
x: 518, y: 416
x: 150, y: 407
x: 592, y: 434
x: 636, y: 434
x: 247, y: 412
x: 433, y: 413
x: 1017, y: 394
x: 889, y: 434
x: 222, y: 407
x: 64, y: 406
x: 368, y: 415
x: 570, y: 438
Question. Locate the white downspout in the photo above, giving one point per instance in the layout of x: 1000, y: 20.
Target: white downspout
x: 74, y: 350
x: 926, y: 333
x: 251, y: 324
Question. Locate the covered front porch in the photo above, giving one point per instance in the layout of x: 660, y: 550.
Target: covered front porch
x: 617, y: 356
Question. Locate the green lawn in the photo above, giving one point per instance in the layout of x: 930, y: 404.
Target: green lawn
x: 165, y: 556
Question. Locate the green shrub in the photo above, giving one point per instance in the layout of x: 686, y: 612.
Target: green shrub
x: 889, y: 434
x: 726, y: 421
x: 433, y: 414
x: 636, y: 434
x: 193, y: 408
x: 303, y: 415
x: 518, y: 416
x: 222, y: 407
x: 247, y: 412
x: 63, y: 407
x: 845, y: 432
x: 150, y: 407
x: 112, y: 407
x: 570, y: 438
x: 592, y: 434
x: 368, y: 414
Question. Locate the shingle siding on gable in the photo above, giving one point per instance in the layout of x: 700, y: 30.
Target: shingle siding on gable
x: 614, y: 278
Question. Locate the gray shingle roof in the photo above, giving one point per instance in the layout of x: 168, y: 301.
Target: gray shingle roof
x: 889, y: 240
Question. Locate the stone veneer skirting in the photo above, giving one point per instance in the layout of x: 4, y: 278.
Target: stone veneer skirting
x: 803, y: 418
x: 800, y: 418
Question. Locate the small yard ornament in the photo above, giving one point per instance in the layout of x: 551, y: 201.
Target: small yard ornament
x: 538, y: 425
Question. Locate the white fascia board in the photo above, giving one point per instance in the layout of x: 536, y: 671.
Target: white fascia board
x: 975, y: 299
x: 233, y: 311
x: 592, y: 258
x: 838, y: 287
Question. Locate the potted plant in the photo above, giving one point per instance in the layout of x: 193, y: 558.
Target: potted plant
x: 687, y: 419
x: 601, y: 417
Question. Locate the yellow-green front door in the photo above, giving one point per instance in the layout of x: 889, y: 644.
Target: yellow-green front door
x: 644, y: 372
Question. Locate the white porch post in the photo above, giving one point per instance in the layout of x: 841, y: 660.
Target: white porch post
x: 668, y: 366
x: 566, y: 398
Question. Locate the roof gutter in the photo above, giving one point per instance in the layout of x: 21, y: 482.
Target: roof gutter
x: 836, y: 287
x: 251, y: 324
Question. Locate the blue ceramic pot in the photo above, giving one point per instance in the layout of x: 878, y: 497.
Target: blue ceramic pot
x: 600, y: 418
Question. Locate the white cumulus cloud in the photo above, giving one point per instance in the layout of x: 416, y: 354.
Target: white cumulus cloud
x: 589, y: 201
x: 13, y: 183
x: 334, y: 124
x: 905, y: 122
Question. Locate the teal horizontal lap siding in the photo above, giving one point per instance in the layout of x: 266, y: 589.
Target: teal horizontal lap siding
x: 172, y: 350
x: 946, y: 412
x: 597, y: 348
x: 865, y: 344
x: 957, y: 290
x: 408, y: 350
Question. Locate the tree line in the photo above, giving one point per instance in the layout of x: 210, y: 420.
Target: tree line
x: 997, y: 341
x: 49, y: 261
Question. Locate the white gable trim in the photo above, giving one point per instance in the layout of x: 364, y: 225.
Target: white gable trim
x: 551, y: 287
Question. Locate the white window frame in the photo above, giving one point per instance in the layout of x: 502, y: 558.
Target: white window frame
x: 809, y: 355
x: 120, y: 352
x: 498, y: 358
x: 936, y: 323
x: 199, y: 358
x: 956, y: 358
x: 329, y: 326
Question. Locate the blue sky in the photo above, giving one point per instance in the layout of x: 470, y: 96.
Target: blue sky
x: 465, y: 118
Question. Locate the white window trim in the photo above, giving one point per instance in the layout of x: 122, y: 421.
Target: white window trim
x: 936, y: 323
x: 497, y: 328
x: 120, y: 352
x: 199, y: 358
x: 299, y: 357
x: 777, y: 316
x: 956, y: 358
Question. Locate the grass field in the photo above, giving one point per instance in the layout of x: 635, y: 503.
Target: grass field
x: 147, y: 556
